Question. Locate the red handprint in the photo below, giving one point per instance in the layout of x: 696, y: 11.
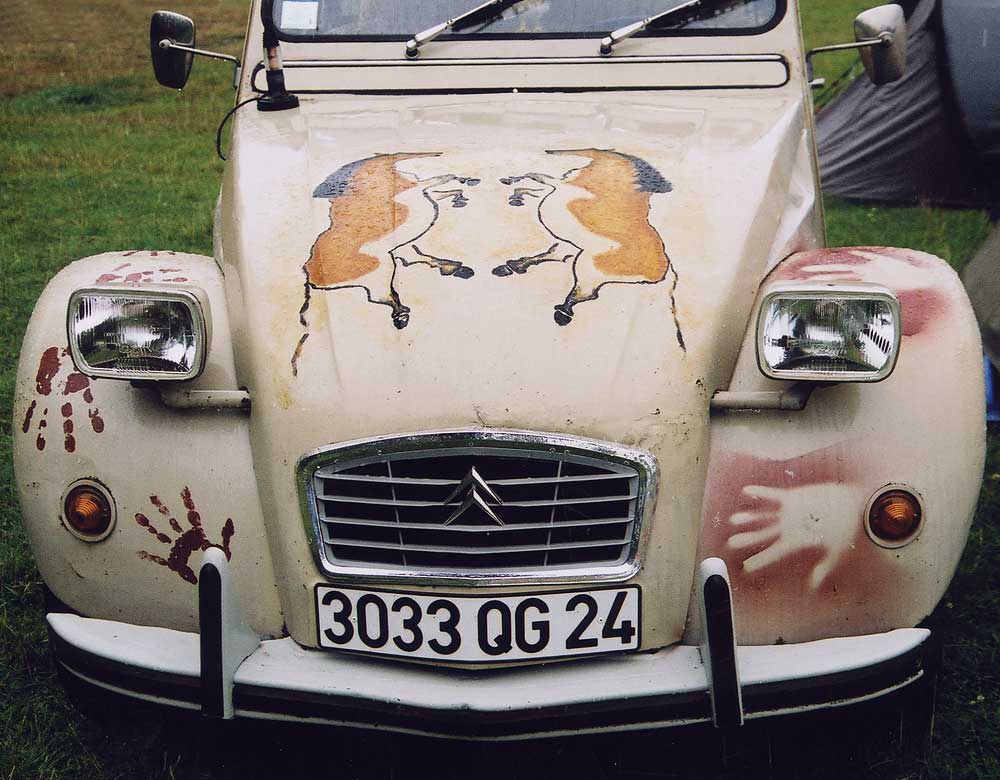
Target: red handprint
x: 56, y: 375
x: 187, y: 542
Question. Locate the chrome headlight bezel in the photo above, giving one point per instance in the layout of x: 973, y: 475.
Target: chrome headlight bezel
x: 851, y: 291
x: 193, y: 299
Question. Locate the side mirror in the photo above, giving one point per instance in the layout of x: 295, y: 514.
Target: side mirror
x: 884, y: 63
x: 172, y: 66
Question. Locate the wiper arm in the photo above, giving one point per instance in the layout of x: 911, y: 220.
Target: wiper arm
x: 623, y: 33
x: 481, y: 13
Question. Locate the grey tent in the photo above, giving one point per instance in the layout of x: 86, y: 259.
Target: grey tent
x: 934, y: 135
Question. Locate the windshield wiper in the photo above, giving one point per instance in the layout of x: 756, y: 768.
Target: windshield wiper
x: 481, y: 13
x: 623, y: 33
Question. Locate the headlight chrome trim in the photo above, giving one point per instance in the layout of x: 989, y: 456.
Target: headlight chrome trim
x: 193, y: 298
x: 800, y: 291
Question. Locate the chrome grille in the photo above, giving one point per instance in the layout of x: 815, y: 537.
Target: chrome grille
x: 502, y: 505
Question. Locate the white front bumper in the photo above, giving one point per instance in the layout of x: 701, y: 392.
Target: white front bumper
x: 282, y: 680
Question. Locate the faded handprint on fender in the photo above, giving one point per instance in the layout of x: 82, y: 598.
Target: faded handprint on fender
x: 778, y: 523
x: 188, y: 540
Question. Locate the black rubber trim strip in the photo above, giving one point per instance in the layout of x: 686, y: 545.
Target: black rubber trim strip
x: 175, y: 687
x: 210, y: 626
x: 853, y: 684
x: 686, y: 708
x: 780, y: 10
x: 523, y: 90
x: 719, y: 627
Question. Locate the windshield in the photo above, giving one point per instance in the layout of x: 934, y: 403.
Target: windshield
x: 399, y: 19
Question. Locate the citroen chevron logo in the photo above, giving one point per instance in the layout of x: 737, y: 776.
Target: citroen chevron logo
x: 476, y: 493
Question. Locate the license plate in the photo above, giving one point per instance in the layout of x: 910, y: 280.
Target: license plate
x: 479, y: 629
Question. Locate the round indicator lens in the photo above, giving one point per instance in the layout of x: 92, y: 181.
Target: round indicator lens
x: 895, y: 517
x: 88, y: 512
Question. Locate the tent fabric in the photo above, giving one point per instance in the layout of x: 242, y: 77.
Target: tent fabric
x: 971, y: 32
x: 903, y: 142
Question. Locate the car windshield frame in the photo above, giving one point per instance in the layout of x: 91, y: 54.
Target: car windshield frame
x: 780, y: 12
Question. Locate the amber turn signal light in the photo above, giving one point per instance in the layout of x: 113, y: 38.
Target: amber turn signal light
x: 894, y: 518
x: 88, y: 512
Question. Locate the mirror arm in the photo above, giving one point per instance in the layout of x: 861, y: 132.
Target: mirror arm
x: 166, y: 43
x: 885, y: 39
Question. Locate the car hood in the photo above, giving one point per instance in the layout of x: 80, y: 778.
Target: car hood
x: 572, y: 264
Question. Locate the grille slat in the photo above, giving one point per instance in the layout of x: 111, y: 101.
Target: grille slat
x: 467, y: 529
x: 406, y: 503
x: 477, y: 510
x: 459, y: 550
x: 327, y: 475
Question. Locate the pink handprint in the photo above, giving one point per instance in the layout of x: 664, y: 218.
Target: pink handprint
x: 781, y: 522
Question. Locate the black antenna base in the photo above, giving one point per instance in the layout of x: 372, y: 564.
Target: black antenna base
x: 277, y: 101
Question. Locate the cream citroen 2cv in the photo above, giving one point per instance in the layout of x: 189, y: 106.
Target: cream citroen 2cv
x: 521, y: 396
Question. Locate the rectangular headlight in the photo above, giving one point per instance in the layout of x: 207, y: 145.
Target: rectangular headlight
x: 842, y: 333
x: 138, y: 334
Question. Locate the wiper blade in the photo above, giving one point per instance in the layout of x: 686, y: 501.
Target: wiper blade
x: 623, y: 33
x: 481, y: 13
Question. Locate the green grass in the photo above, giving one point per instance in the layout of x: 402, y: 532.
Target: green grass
x: 94, y: 165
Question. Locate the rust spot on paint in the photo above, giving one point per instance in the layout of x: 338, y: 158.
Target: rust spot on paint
x: 134, y: 278
x: 26, y: 425
x: 188, y: 541
x: 88, y: 396
x: 106, y: 278
x: 40, y: 442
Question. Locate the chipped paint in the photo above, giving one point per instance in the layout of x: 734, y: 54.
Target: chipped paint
x: 56, y: 374
x: 188, y: 540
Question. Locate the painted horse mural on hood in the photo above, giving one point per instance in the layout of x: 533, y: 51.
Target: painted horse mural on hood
x: 377, y: 227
